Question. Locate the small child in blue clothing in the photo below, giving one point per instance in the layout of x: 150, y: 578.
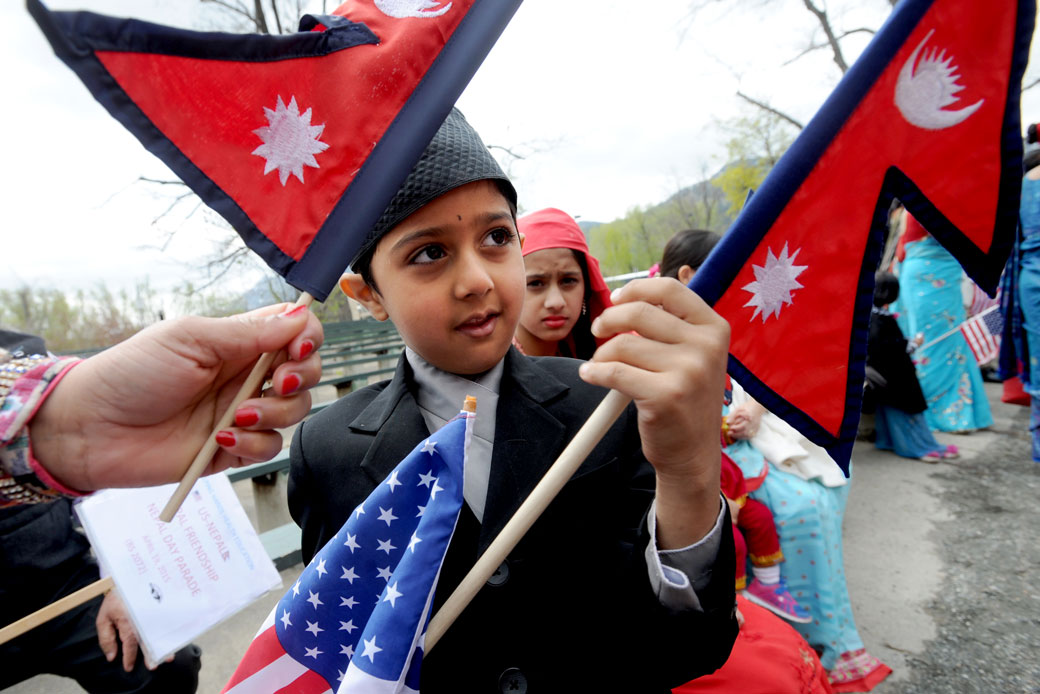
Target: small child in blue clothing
x: 892, y: 386
x: 626, y: 581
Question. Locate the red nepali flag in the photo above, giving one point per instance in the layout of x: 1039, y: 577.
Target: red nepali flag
x: 929, y: 114
x: 299, y: 140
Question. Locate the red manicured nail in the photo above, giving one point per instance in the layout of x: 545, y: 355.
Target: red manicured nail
x: 225, y: 438
x: 290, y: 383
x: 246, y: 417
x: 306, y: 347
x: 293, y: 311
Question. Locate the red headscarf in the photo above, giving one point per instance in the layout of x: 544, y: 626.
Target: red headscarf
x: 552, y: 228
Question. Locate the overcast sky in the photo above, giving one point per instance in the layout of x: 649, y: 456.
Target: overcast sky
x: 616, y: 104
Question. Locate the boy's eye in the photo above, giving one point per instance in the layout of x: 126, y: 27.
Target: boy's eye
x: 499, y: 237
x: 428, y: 254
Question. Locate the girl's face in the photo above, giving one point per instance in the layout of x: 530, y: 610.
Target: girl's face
x: 552, y: 304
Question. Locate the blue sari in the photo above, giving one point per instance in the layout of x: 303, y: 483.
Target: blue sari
x: 930, y: 299
x: 808, y: 520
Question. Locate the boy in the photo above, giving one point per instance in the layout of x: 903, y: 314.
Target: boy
x: 626, y: 581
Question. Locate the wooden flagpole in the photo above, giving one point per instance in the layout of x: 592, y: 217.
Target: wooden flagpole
x: 546, y: 490
x: 205, y: 455
x: 954, y: 330
x: 58, y: 607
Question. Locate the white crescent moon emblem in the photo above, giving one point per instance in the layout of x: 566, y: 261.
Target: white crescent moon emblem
x: 401, y: 9
x: 924, y: 89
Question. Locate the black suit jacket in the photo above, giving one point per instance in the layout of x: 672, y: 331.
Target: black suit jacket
x: 572, y: 606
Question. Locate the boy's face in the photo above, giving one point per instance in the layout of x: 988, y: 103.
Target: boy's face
x: 451, y: 278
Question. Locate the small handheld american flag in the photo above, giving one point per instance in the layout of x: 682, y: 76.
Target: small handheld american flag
x: 356, y: 619
x: 982, y: 332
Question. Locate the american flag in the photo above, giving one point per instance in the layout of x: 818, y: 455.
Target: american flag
x: 983, y: 334
x: 355, y: 621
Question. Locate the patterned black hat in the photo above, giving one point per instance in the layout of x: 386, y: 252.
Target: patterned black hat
x: 456, y: 156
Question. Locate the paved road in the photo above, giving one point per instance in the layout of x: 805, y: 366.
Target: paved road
x: 941, y: 559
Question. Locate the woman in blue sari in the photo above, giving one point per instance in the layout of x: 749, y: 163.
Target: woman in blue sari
x: 1020, y: 349
x: 930, y: 299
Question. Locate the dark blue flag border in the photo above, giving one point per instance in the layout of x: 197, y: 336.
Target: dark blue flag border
x: 763, y: 209
x: 75, y: 36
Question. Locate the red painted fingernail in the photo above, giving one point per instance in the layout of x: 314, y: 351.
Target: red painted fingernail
x: 225, y: 438
x: 293, y: 311
x: 306, y: 347
x: 246, y: 417
x: 290, y: 383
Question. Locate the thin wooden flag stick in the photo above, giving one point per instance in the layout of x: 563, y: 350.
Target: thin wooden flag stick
x: 205, y: 455
x: 555, y: 478
x: 58, y: 607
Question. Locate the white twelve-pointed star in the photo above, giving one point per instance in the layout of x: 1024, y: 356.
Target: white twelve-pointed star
x: 296, y: 589
x: 313, y: 627
x: 436, y: 488
x: 425, y: 480
x: 290, y: 141
x: 392, y: 481
x: 313, y: 652
x: 346, y: 649
x: 414, y: 541
x: 349, y: 574
x: 370, y: 649
x: 321, y: 568
x: 384, y: 573
x: 387, y: 514
x: 774, y: 283
x: 392, y: 594
x: 285, y: 619
x: 352, y: 543
x: 348, y: 626
x: 314, y: 599
x: 429, y: 446
x: 385, y: 546
x: 347, y: 602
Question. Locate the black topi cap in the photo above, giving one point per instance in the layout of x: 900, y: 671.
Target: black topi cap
x: 456, y: 156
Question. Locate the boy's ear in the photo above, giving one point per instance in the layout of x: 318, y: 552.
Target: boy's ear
x: 357, y: 289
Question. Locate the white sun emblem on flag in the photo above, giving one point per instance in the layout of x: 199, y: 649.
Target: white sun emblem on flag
x: 774, y: 283
x: 290, y: 141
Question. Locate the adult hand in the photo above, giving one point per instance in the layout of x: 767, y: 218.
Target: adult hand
x: 114, y: 628
x: 137, y: 413
x: 668, y: 353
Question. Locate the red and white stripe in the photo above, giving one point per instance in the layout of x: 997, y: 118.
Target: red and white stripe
x: 267, y: 669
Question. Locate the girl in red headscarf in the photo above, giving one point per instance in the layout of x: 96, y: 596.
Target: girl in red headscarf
x: 565, y: 288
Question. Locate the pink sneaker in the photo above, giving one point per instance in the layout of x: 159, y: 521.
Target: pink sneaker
x: 777, y: 599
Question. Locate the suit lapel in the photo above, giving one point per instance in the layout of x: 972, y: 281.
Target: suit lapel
x: 526, y: 439
x: 395, y: 420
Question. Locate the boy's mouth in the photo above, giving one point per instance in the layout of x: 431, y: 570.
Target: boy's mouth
x: 479, y: 326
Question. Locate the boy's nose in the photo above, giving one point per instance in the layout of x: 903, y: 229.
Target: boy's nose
x: 472, y: 277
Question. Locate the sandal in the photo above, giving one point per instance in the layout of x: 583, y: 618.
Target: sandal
x: 931, y: 457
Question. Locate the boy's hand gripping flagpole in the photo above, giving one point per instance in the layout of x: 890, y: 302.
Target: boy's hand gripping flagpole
x: 555, y: 478
x: 205, y: 455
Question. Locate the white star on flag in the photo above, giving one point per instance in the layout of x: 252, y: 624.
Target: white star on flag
x: 774, y: 283
x: 313, y: 628
x: 347, y: 626
x: 425, y: 480
x: 392, y: 594
x: 370, y: 649
x: 285, y: 620
x: 313, y: 653
x: 290, y: 141
x: 348, y: 602
x: 352, y: 542
x: 429, y: 446
x: 321, y: 568
x: 414, y: 541
x: 349, y: 574
x: 385, y: 546
x: 314, y: 600
x: 387, y: 514
x: 392, y: 481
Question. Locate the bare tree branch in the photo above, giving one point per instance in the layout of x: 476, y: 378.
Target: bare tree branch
x: 766, y: 107
x: 1031, y: 84
x: 274, y: 11
x: 832, y: 40
x: 236, y: 9
x: 818, y: 46
x: 508, y: 151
